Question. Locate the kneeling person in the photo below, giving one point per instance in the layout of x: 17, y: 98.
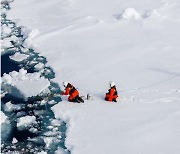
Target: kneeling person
x: 112, y: 95
x: 72, y: 92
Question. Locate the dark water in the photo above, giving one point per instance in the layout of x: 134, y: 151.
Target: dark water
x: 7, y: 65
x: 19, y: 135
x: 29, y: 107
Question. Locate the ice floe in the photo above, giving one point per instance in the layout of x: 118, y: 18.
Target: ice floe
x: 29, y: 84
x: 25, y: 122
x: 19, y: 57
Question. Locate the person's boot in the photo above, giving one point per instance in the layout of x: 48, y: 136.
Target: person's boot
x: 80, y: 100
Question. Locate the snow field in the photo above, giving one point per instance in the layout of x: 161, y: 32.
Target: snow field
x: 101, y: 127
x: 133, y: 43
x: 124, y: 44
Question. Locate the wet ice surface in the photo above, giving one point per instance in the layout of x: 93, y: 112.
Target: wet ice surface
x: 29, y: 125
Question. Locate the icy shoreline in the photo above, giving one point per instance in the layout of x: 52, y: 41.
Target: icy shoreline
x: 29, y: 125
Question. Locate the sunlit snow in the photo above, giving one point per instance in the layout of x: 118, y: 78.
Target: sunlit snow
x: 89, y: 43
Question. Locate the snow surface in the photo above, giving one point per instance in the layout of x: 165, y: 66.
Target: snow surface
x: 6, y: 43
x: 6, y: 30
x: 90, y: 53
x: 133, y: 43
x: 127, y: 127
x: 29, y: 84
x: 130, y: 13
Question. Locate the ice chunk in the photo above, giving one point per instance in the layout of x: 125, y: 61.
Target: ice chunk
x: 6, y: 30
x: 49, y: 141
x: 22, y: 72
x: 52, y: 102
x: 42, y: 152
x: 8, y: 42
x: 39, y: 66
x: 39, y: 112
x: 14, y: 38
x: 33, y: 130
x: 8, y: 106
x: 20, y: 114
x: 60, y: 151
x: 55, y: 122
x: 50, y: 127
x: 29, y: 84
x: 19, y: 57
x: 5, y: 43
x: 14, y: 140
x: 3, y: 117
x: 51, y: 133
x: 6, y: 78
x: 25, y: 122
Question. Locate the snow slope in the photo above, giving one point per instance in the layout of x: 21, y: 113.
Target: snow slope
x: 135, y: 44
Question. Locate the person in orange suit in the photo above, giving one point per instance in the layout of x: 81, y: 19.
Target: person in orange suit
x: 112, y: 94
x: 72, y: 92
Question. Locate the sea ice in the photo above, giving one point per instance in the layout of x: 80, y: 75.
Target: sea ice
x: 25, y: 122
x: 5, y: 126
x: 9, y: 107
x: 3, y: 117
x: 29, y: 84
x: 19, y: 57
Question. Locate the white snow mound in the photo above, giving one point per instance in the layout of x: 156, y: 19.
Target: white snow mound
x: 131, y: 13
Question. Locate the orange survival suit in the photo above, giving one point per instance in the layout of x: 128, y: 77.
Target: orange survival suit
x: 112, y: 95
x: 73, y: 93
